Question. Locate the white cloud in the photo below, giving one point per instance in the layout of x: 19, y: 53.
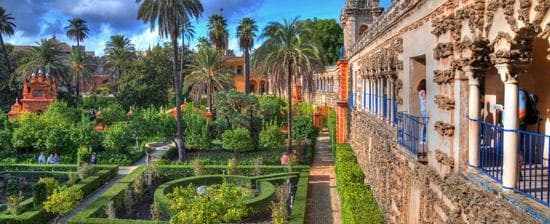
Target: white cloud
x: 147, y: 38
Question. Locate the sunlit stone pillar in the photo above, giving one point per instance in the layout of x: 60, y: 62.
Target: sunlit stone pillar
x: 473, y: 113
x: 510, y: 121
x: 389, y: 97
x: 380, y: 95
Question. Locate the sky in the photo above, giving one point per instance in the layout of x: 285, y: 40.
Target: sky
x: 39, y: 19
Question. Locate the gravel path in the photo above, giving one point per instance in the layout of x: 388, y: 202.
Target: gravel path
x: 323, y: 205
x: 122, y: 172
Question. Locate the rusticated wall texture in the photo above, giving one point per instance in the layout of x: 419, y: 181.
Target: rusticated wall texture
x: 409, y: 191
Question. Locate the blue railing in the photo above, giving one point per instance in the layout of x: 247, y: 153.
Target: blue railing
x: 364, y: 100
x: 490, y: 150
x: 385, y: 107
x: 534, y: 152
x: 395, y: 120
x: 411, y: 133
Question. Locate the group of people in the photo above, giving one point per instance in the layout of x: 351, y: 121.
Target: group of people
x: 55, y: 159
x: 52, y: 159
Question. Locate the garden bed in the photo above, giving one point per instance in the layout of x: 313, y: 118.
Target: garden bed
x: 31, y: 214
x: 96, y: 212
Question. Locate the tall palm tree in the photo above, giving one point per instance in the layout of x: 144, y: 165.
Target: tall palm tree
x: 206, y: 76
x: 168, y: 15
x: 119, y: 51
x: 48, y: 57
x: 187, y: 32
x: 6, y: 29
x: 246, y: 31
x: 82, y: 66
x: 217, y: 31
x: 286, y: 55
x: 203, y: 42
x: 77, y: 30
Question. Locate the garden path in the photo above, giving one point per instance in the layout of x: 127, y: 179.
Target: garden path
x: 156, y: 154
x: 323, y: 204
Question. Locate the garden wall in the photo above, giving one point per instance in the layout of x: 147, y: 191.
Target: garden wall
x: 409, y: 191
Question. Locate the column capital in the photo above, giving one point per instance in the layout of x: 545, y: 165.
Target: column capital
x: 507, y: 74
x: 473, y: 74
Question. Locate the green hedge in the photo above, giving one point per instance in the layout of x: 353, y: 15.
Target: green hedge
x: 358, y: 204
x: 276, y: 174
x: 40, y: 216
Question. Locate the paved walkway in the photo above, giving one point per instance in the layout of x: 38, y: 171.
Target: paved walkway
x: 156, y: 154
x: 323, y: 205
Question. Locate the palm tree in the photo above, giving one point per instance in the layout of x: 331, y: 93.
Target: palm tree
x: 203, y: 42
x: 48, y: 57
x: 168, y: 15
x: 187, y: 32
x: 77, y: 30
x: 82, y: 66
x: 286, y: 55
x: 217, y: 31
x: 246, y: 31
x: 118, y: 53
x: 6, y: 28
x: 205, y: 75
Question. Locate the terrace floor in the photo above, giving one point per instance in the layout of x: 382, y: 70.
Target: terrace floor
x: 323, y: 204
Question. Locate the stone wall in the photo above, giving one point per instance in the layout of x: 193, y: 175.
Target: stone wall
x: 409, y: 190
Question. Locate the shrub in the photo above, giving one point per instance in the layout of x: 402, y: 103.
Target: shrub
x: 85, y: 170
x: 118, y: 137
x: 303, y: 129
x: 189, y: 206
x: 73, y: 178
x: 279, y: 207
x: 237, y: 140
x: 39, y: 194
x: 198, y: 167
x: 138, y: 187
x: 62, y: 202
x: 357, y: 201
x: 51, y: 184
x: 14, y: 203
x: 272, y: 137
x: 272, y: 108
x: 129, y: 200
x: 110, y: 210
x: 111, y: 114
x: 232, y: 165
x: 197, y: 133
x: 155, y: 211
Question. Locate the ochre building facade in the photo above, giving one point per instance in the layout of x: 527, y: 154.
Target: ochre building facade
x: 455, y: 147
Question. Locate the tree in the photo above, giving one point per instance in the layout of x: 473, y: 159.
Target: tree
x: 203, y: 42
x: 206, y: 76
x: 217, y: 31
x: 168, y: 15
x: 6, y: 29
x: 83, y: 67
x: 63, y: 202
x: 286, y: 55
x: 329, y: 35
x: 119, y: 52
x: 246, y: 31
x: 77, y: 30
x: 47, y: 56
x: 147, y: 81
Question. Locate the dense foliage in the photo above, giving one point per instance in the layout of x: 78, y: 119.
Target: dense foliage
x: 303, y: 129
x: 219, y: 204
x: 329, y: 35
x: 196, y: 129
x: 271, y: 137
x: 237, y: 140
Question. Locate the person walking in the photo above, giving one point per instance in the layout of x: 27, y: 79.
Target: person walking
x: 56, y: 159
x: 422, y: 98
x: 93, y: 160
x: 50, y: 159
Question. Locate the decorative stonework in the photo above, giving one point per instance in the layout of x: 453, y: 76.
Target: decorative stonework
x: 444, y: 102
x: 493, y: 6
x: 38, y: 93
x: 442, y: 77
x: 443, y: 50
x: 442, y: 158
x: 444, y: 129
x: 447, y: 24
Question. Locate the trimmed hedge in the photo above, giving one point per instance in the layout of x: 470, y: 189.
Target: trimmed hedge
x: 258, y: 203
x: 103, y: 175
x: 170, y: 172
x: 358, y: 204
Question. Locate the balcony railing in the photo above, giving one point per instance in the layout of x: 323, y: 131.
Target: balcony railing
x: 411, y: 133
x: 533, y: 154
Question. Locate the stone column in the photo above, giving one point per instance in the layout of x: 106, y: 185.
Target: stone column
x: 342, y: 102
x: 474, y: 114
x: 510, y: 141
x: 388, y: 101
x: 381, y: 98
